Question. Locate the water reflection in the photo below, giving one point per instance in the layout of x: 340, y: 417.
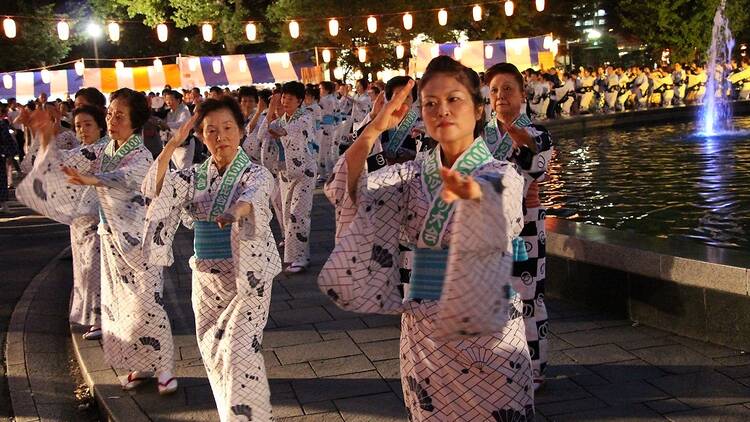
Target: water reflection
x: 657, y: 181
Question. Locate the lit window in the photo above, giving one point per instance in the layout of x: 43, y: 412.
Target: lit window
x: 602, y: 21
x: 588, y: 23
x: 578, y: 23
x: 601, y: 12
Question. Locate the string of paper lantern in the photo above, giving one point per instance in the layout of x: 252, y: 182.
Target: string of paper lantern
x: 251, y: 29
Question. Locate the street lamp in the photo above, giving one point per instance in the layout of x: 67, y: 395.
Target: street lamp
x: 94, y: 31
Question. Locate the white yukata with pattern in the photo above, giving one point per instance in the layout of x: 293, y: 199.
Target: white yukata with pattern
x: 294, y: 158
x: 78, y: 207
x: 463, y: 357
x: 231, y: 295
x: 136, y: 332
x: 64, y: 140
x: 329, y: 105
x: 529, y: 275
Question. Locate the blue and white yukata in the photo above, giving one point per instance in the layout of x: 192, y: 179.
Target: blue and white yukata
x: 529, y: 274
x: 233, y: 270
x: 463, y: 354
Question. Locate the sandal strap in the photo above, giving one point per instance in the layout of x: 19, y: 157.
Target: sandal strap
x: 165, y: 384
x: 135, y: 379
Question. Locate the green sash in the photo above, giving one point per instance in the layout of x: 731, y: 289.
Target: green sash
x: 440, y: 212
x: 500, y: 147
x: 111, y: 158
x: 396, y: 136
x: 228, y: 182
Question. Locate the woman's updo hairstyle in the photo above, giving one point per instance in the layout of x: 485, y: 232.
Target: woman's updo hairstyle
x: 96, y: 113
x: 444, y: 65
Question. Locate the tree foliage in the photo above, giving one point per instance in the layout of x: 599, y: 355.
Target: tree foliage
x: 683, y: 26
x: 35, y: 44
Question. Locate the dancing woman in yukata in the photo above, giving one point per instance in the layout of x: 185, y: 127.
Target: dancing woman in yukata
x: 137, y: 335
x: 81, y: 213
x: 511, y: 136
x: 463, y: 353
x: 235, y: 257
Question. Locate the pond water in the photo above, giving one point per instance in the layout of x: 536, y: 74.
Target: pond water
x: 657, y: 180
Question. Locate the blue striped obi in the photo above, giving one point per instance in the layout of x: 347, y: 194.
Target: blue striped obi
x: 428, y: 274
x: 519, y: 250
x: 211, y: 242
x: 282, y: 154
x: 328, y: 119
x: 102, y: 217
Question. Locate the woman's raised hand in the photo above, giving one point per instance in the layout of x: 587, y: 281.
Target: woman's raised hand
x: 458, y: 186
x: 180, y: 135
x: 42, y: 123
x: 393, y: 111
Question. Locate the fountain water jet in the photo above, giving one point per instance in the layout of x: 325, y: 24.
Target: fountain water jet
x: 716, y: 112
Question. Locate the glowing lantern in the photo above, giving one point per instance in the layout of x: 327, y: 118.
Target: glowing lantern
x: 509, y: 8
x: 443, y: 17
x: 216, y: 65
x: 476, y: 13
x: 285, y: 62
x: 162, y: 32
x: 326, y: 55
x: 539, y: 5
x: 294, y: 29
x: 457, y: 53
x: 9, y: 26
x: 63, y: 30
x: 119, y: 65
x: 113, y: 28
x: 46, y: 77
x: 7, y: 81
x: 488, y: 51
x: 362, y: 54
x: 372, y: 24
x: 400, y: 50
x: 208, y: 32
x: 80, y: 67
x: 157, y: 64
x: 408, y: 21
x: 243, y: 66
x: 333, y: 27
x: 251, y: 31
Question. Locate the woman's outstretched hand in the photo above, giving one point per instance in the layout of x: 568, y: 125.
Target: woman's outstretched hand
x: 76, y: 178
x: 457, y: 186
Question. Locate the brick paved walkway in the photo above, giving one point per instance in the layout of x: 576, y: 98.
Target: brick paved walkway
x: 325, y: 364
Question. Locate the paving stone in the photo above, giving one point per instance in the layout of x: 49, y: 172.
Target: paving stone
x: 735, y: 372
x: 560, y: 390
x: 189, y: 352
x: 382, y: 320
x: 318, y: 417
x: 340, y: 366
x: 302, y: 316
x: 311, y: 301
x: 389, y: 369
x: 554, y: 409
x: 293, y: 371
x: 667, y: 406
x: 628, y: 393
x: 676, y: 359
x: 738, y: 360
x: 331, y: 330
x: 338, y: 313
x: 339, y: 387
x: 286, y: 407
x: 397, y: 389
x: 628, y: 413
x: 316, y: 351
x: 594, y: 355
x: 290, y: 336
x: 381, y: 350
x: 646, y: 342
x: 570, y: 325
x: 707, y: 349
x: 736, y: 413
x: 325, y: 406
x: 610, y: 335
x: 381, y: 407
x: 630, y: 370
x: 374, y: 334
x: 703, y: 389
x: 270, y: 359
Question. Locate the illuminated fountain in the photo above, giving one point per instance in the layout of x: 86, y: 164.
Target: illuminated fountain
x: 716, y: 112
